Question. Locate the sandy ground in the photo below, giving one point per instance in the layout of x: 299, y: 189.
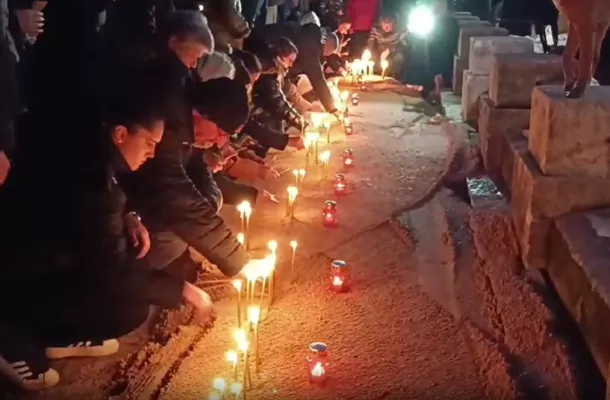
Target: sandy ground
x: 440, y: 308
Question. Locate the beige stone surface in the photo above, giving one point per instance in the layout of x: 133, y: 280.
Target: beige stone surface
x: 514, y: 76
x: 483, y: 49
x: 459, y: 66
x: 472, y: 88
x: 538, y: 198
x: 472, y: 29
x: 578, y: 268
x: 494, y: 124
x: 571, y: 137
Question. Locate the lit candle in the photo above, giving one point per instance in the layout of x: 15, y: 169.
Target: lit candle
x: 220, y: 385
x: 371, y: 66
x: 327, y: 129
x: 340, y: 184
x: 242, y: 345
x: 347, y: 126
x: 329, y: 214
x: 254, y: 314
x: 293, y: 245
x: 302, y: 173
x: 233, y: 359
x: 251, y: 277
x: 247, y: 213
x: 236, y: 389
x: 293, y: 192
x: 237, y: 284
x: 384, y: 66
x: 317, y: 361
x: 339, y: 276
x: 348, y: 158
x: 270, y: 269
x: 297, y: 178
x: 214, y: 396
x: 241, y: 238
x: 241, y: 207
x: 366, y: 55
x: 316, y: 119
x: 324, y: 159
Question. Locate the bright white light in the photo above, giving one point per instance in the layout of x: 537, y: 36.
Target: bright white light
x: 421, y: 21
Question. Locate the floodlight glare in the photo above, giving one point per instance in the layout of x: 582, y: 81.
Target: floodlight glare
x: 421, y: 21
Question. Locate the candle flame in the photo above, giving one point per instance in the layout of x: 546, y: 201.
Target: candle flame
x: 294, y: 244
x: 318, y: 370
x: 241, y: 238
x: 242, y: 340
x: 302, y: 172
x: 237, y: 284
x: 293, y: 192
x: 317, y: 118
x: 385, y: 64
x: 232, y: 357
x: 325, y: 156
x: 348, y: 161
x: 254, y: 314
x: 295, y: 172
x: 236, y: 388
x: 344, y: 95
x: 337, y: 281
x: 366, y: 55
x: 214, y: 396
x: 219, y: 384
x: 272, y: 246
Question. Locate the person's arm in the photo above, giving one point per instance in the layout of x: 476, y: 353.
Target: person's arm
x: 269, y: 96
x: 166, y: 192
x: 201, y: 176
x: 102, y: 245
x: 266, y: 136
x: 310, y: 57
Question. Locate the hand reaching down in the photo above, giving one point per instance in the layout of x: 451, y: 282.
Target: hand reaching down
x: 137, y: 233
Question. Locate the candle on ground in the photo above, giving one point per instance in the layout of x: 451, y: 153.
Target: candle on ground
x: 324, y: 159
x: 254, y: 314
x: 237, y: 284
x: 293, y: 192
x: 384, y: 66
x: 293, y: 245
x: 233, y: 359
x: 220, y: 385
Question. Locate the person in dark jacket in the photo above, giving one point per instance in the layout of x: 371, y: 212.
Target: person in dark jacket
x: 72, y: 251
x: 312, y: 43
x: 388, y: 42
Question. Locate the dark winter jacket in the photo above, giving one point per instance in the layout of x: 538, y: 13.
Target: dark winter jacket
x: 9, y: 101
x: 185, y: 203
x: 71, y: 250
x: 380, y: 40
x: 226, y: 22
x: 268, y: 97
x: 309, y: 41
x: 260, y: 130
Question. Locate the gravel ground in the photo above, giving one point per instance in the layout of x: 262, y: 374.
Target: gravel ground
x: 439, y: 310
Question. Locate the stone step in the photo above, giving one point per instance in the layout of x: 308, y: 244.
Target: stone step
x: 579, y: 250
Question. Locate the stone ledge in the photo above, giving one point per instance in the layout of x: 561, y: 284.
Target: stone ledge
x: 571, y: 136
x: 513, y: 143
x: 494, y: 124
x: 484, y: 48
x: 514, y: 76
x: 472, y: 88
x: 578, y: 268
x: 459, y: 66
x: 470, y: 29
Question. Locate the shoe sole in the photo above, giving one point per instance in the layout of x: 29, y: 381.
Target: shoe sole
x: 51, y: 378
x: 109, y: 348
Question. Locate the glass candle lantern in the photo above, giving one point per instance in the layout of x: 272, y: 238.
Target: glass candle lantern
x: 355, y: 99
x: 348, y: 158
x: 329, y: 214
x: 348, y: 127
x: 340, y: 280
x: 340, y: 184
x: 317, y: 362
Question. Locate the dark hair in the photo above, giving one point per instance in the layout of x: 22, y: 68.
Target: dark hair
x: 223, y: 100
x: 188, y: 25
x: 249, y: 60
x: 138, y: 98
x: 344, y: 19
x: 388, y: 17
x: 283, y: 47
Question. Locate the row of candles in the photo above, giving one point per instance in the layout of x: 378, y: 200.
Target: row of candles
x: 250, y: 296
x: 365, y: 67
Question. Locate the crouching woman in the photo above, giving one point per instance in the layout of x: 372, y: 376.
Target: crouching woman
x: 68, y: 286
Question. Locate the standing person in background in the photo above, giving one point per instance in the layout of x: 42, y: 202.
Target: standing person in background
x: 227, y: 23
x: 362, y: 14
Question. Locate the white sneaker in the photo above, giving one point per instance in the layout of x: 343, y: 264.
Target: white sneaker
x: 27, y: 377
x: 84, y: 349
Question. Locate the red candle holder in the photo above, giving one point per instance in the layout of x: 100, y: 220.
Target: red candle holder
x: 340, y: 280
x: 329, y: 214
x: 317, y: 363
x: 355, y: 99
x: 340, y: 184
x: 348, y: 158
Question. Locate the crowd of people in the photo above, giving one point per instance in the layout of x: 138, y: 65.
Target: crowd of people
x: 125, y: 126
